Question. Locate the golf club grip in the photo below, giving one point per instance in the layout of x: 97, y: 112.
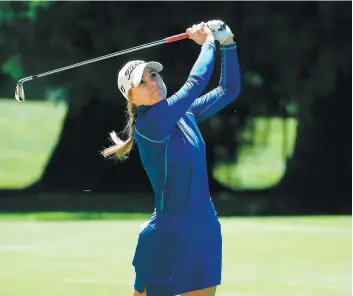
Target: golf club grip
x: 176, y: 38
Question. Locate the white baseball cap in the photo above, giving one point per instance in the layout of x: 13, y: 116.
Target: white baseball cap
x: 131, y: 74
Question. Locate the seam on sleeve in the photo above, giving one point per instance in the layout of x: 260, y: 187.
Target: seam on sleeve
x: 224, y: 56
x: 165, y: 175
x: 150, y: 140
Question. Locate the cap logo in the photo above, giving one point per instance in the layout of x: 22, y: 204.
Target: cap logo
x: 131, y: 69
x: 122, y: 89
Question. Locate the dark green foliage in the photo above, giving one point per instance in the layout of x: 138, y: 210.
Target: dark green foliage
x: 295, y: 59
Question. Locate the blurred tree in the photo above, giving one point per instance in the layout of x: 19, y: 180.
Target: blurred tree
x: 96, y: 106
x: 295, y: 55
x: 320, y: 171
x: 16, y: 19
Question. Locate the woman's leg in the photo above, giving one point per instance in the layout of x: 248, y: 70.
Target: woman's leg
x: 203, y: 292
x: 139, y: 294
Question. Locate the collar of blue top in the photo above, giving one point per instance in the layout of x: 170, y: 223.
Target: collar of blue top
x: 142, y: 109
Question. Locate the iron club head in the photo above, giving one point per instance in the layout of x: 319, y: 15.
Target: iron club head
x: 19, y: 92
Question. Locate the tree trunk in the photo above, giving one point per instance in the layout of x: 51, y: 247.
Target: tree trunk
x: 318, y: 177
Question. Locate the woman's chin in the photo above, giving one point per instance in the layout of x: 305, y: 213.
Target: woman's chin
x: 160, y: 95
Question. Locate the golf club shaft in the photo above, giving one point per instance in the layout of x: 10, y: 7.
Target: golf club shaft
x: 147, y: 45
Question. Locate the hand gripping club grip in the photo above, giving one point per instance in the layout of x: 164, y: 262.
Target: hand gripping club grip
x: 182, y: 36
x: 176, y: 38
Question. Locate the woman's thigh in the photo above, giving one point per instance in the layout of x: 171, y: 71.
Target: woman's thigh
x: 139, y: 294
x: 203, y: 292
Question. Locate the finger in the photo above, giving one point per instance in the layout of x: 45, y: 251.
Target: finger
x: 189, y: 31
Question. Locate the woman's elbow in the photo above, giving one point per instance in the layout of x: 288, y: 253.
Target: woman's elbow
x: 197, y: 82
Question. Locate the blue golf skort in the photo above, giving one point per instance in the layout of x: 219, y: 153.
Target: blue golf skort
x: 182, y: 254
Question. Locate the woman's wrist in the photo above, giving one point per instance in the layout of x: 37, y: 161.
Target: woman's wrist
x: 210, y: 38
x: 228, y: 41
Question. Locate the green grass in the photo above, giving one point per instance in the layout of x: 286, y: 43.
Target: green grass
x: 296, y: 256
x: 29, y: 132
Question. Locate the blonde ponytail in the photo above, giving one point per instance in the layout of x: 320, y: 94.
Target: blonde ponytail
x: 121, y: 149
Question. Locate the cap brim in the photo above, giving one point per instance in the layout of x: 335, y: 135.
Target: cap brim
x: 155, y: 66
x: 139, y: 72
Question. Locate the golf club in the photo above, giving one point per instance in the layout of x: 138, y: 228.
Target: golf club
x: 19, y: 91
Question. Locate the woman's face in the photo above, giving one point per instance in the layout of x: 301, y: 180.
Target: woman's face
x: 151, y: 89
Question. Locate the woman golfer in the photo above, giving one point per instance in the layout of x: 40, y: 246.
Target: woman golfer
x: 179, y: 250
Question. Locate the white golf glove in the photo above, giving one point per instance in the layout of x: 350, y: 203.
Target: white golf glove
x: 199, y: 26
x: 221, y: 31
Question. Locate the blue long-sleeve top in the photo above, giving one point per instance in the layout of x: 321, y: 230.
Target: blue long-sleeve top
x: 170, y: 143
